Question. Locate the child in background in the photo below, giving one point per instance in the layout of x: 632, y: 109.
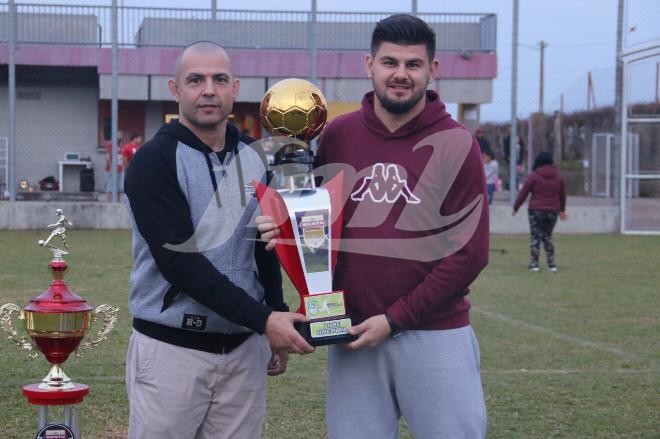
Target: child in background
x: 491, y: 169
x: 548, y: 201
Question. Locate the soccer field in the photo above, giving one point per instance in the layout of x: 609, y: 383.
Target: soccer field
x: 573, y: 354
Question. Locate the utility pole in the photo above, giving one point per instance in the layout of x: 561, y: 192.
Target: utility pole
x: 591, y: 96
x: 618, y: 93
x: 561, y: 125
x: 657, y: 82
x: 514, y: 110
x: 114, y: 105
x: 414, y: 7
x: 542, y: 45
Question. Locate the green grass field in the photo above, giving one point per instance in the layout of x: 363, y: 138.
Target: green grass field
x: 574, y: 354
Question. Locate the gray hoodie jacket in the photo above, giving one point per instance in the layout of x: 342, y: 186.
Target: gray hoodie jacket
x: 197, y: 272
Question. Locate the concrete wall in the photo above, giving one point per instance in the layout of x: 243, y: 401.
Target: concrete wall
x: 334, y: 35
x: 129, y: 87
x: 53, y: 28
x: 153, y: 119
x: 581, y: 219
x: 100, y: 215
x: 52, y: 120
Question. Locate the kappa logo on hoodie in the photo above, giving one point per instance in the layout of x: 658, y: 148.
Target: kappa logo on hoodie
x: 385, y: 185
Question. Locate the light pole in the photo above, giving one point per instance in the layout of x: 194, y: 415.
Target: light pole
x: 542, y: 45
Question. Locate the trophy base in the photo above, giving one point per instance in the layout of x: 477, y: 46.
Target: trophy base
x: 331, y: 335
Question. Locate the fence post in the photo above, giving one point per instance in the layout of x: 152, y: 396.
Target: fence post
x: 11, y: 147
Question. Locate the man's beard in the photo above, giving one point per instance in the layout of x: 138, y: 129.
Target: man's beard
x: 400, y: 107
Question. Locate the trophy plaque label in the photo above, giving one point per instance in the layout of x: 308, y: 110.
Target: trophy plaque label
x: 319, y: 306
x: 328, y: 328
x: 55, y: 431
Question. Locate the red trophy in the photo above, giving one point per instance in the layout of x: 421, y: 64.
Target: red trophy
x: 57, y: 321
x: 309, y: 217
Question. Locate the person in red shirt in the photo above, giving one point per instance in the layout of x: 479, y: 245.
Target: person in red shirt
x: 128, y: 150
x: 547, y: 203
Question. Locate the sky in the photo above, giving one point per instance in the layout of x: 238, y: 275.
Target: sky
x: 580, y: 37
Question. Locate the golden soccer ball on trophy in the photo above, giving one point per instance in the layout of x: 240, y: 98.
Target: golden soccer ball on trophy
x: 294, y: 107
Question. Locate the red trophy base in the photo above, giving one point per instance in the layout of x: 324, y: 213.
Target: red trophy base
x: 67, y: 398
x: 37, y: 396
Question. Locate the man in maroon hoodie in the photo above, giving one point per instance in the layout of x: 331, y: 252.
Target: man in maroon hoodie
x: 548, y: 201
x: 415, y: 237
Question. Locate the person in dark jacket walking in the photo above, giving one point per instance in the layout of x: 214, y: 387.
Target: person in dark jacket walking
x: 547, y: 203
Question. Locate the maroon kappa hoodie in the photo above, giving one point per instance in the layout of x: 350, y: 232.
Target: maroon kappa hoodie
x: 415, y: 232
x: 547, y: 188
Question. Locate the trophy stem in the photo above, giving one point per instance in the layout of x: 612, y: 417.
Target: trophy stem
x: 56, y: 379
x: 290, y: 183
x: 312, y: 180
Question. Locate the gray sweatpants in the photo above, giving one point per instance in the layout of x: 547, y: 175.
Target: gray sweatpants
x: 180, y: 393
x: 431, y: 378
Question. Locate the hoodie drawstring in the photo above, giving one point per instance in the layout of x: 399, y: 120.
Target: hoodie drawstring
x: 239, y: 169
x: 214, y: 181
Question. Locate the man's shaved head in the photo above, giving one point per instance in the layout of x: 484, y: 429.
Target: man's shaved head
x: 205, y: 88
x: 197, y: 47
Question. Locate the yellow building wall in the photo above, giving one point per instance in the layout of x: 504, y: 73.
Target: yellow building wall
x: 338, y: 108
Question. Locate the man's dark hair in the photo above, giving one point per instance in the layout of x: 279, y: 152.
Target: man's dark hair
x: 404, y: 30
x: 544, y: 158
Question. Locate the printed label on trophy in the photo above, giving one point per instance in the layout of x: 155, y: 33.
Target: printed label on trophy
x: 329, y: 328
x: 55, y: 431
x: 320, y: 306
x: 313, y: 229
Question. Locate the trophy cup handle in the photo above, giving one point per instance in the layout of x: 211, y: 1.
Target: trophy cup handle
x: 6, y: 311
x: 109, y: 319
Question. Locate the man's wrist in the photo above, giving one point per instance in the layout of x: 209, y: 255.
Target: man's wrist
x: 395, y: 330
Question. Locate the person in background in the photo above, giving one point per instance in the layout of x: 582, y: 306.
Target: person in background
x: 129, y: 150
x: 110, y: 183
x: 209, y: 318
x: 491, y: 169
x: 483, y: 142
x: 548, y: 202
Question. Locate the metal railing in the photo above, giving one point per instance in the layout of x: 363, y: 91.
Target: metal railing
x: 140, y: 27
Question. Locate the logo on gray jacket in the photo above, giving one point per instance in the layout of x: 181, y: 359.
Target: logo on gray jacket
x: 194, y: 322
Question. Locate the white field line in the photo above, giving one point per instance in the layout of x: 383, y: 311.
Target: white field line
x: 568, y: 371
x: 570, y: 338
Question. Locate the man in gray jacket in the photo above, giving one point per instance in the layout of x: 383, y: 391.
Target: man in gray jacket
x: 208, y: 314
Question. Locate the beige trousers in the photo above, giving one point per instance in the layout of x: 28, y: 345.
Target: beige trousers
x: 183, y: 393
